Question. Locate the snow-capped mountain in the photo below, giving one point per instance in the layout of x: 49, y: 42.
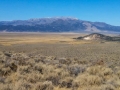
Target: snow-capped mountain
x: 56, y: 24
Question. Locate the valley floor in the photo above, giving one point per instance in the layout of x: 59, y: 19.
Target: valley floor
x: 57, y: 62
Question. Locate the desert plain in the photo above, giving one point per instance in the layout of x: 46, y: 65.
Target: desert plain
x: 57, y: 61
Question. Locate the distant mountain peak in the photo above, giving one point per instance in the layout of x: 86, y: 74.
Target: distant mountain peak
x: 63, y: 18
x: 56, y: 24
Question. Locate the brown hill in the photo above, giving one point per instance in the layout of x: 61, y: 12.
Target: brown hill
x: 97, y: 36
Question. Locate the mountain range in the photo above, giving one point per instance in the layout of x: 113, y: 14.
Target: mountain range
x: 56, y: 24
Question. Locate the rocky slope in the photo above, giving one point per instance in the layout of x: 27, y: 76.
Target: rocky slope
x: 97, y: 36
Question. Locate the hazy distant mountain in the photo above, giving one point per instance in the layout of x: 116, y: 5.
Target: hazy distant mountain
x: 58, y: 24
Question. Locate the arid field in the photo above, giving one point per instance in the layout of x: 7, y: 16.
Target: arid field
x: 51, y: 61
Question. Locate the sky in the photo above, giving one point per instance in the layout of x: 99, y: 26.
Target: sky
x: 107, y: 11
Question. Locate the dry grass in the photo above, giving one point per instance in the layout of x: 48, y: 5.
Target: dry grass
x: 57, y: 62
x: 20, y: 38
x: 41, y: 73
